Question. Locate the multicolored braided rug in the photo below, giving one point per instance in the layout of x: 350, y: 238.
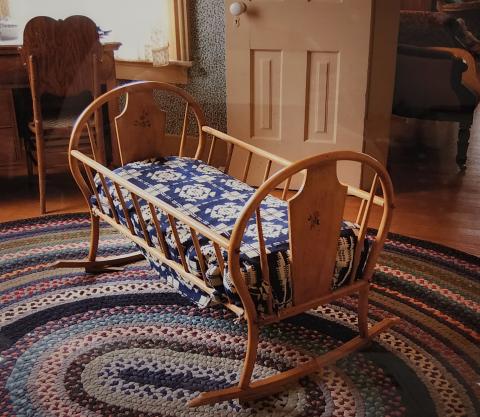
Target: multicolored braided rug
x: 123, y: 344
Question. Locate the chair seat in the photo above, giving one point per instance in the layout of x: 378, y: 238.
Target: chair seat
x: 60, y: 125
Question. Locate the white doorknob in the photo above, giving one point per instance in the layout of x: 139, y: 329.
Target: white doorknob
x: 237, y: 8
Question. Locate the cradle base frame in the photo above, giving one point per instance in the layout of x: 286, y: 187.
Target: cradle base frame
x: 275, y: 383
x: 101, y: 264
x: 311, y: 280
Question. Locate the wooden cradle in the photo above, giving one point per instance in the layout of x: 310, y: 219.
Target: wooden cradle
x: 315, y: 214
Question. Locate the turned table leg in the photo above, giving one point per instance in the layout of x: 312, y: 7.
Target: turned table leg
x: 462, y: 144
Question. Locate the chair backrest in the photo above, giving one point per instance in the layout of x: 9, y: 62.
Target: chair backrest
x: 61, y: 55
x: 427, y: 29
x: 436, y: 86
x: 315, y: 216
x: 144, y: 129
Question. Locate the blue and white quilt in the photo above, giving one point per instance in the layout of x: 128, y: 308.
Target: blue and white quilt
x: 216, y: 199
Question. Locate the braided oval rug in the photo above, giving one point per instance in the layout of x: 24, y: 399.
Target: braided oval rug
x: 124, y: 344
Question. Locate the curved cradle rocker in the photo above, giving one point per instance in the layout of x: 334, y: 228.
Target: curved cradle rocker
x: 217, y: 239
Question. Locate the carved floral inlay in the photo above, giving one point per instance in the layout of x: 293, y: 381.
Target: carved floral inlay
x: 314, y: 219
x: 143, y: 120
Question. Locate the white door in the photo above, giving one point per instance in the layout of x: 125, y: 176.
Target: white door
x: 297, y: 76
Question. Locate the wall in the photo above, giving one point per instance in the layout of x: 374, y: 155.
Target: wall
x: 207, y: 76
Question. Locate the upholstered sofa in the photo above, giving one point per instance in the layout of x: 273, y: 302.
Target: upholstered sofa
x: 437, y: 75
x: 468, y: 10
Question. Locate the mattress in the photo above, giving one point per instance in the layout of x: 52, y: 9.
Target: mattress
x: 215, y: 199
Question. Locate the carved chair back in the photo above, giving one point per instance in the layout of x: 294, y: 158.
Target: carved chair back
x: 61, y: 55
x: 153, y: 120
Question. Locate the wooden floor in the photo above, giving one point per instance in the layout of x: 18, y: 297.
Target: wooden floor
x: 434, y: 201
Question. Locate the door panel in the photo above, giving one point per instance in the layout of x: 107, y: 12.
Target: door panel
x: 322, y: 93
x: 266, y: 85
x: 290, y: 85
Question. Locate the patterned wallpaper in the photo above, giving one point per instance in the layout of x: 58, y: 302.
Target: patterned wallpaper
x: 207, y: 76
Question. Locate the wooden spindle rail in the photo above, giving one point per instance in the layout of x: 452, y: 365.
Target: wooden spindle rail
x: 212, y: 148
x: 141, y: 220
x: 247, y: 167
x: 160, y: 234
x: 181, y: 150
x: 263, y: 259
x: 93, y: 186
x: 107, y: 193
x: 126, y: 214
x: 178, y: 243
x: 198, y: 251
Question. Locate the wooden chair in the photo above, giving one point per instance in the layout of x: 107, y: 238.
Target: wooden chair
x: 62, y: 59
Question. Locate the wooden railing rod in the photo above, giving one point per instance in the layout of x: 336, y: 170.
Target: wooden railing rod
x: 230, y: 147
x: 301, y: 308
x: 286, y: 188
x: 360, y: 211
x: 247, y: 166
x: 126, y: 214
x: 184, y: 131
x: 267, y: 170
x: 160, y: 234
x: 198, y: 250
x: 93, y: 141
x: 221, y: 262
x: 109, y: 197
x: 156, y: 253
x: 363, y: 230
x: 178, y: 242
x: 88, y: 171
x: 248, y: 147
x: 212, y: 147
x: 199, y: 227
x: 357, y: 192
x: 141, y: 220
x: 264, y: 260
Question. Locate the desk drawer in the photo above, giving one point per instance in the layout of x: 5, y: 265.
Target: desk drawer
x: 7, y: 110
x: 10, y: 152
x: 12, y: 71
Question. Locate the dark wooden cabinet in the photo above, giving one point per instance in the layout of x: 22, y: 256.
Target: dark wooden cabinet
x: 10, y: 145
x: 13, y: 76
x: 425, y: 5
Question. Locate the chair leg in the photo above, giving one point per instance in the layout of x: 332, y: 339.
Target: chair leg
x: 28, y: 160
x: 41, y: 171
x: 363, y: 312
x: 94, y: 237
x: 251, y: 355
x: 462, y: 144
x: 29, y: 168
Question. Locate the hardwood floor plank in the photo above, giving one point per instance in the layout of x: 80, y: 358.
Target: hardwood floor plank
x: 434, y: 201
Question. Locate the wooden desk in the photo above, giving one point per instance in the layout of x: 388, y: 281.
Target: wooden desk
x: 13, y: 74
